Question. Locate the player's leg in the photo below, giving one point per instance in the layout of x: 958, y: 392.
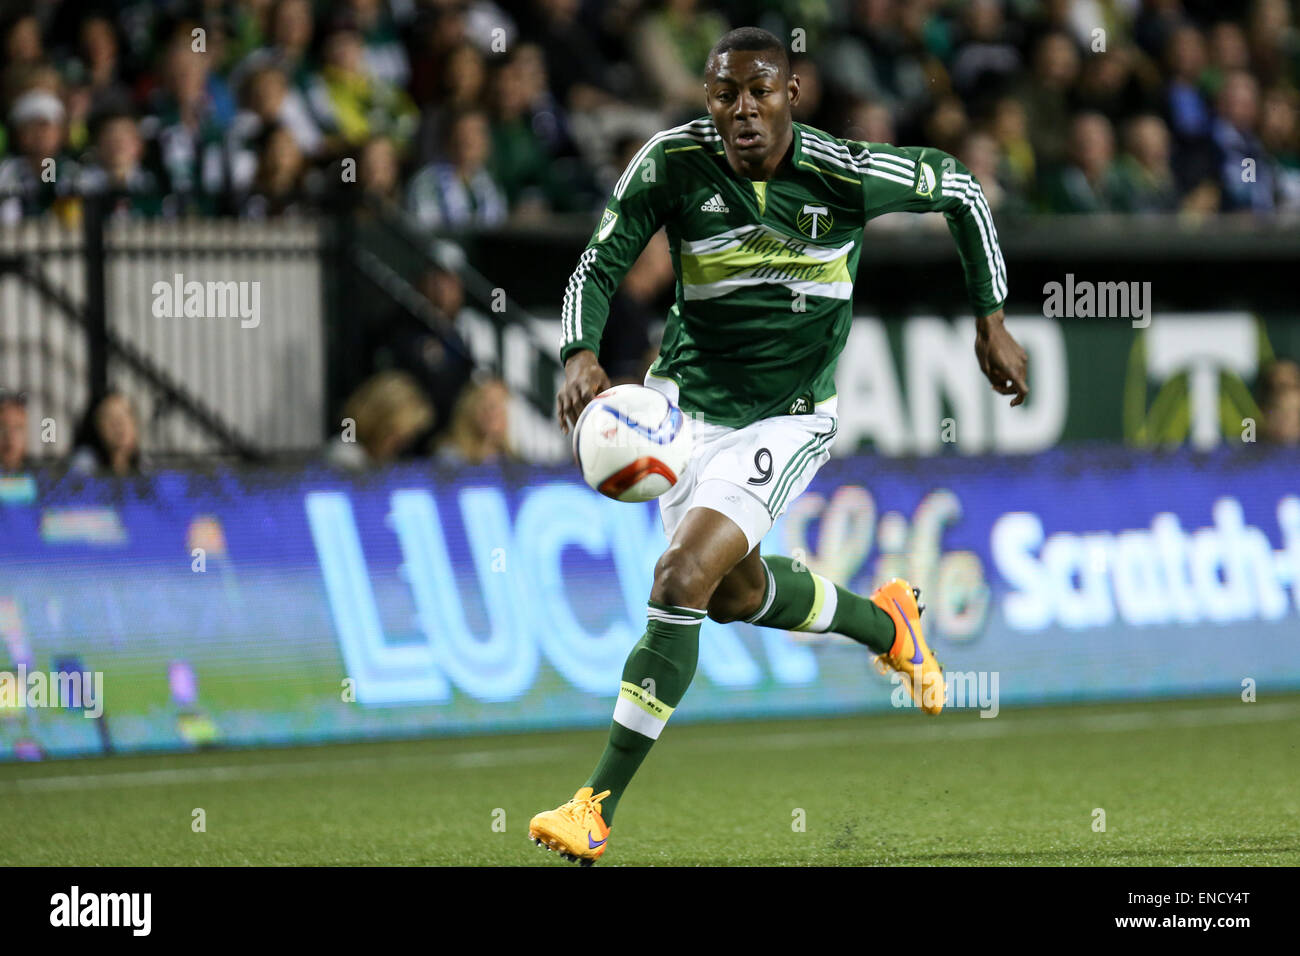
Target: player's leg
x: 776, y: 591
x: 780, y: 592
x: 705, y: 545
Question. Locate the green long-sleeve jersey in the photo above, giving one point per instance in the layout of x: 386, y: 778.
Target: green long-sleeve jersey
x: 765, y: 269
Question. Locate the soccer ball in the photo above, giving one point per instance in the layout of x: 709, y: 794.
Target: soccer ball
x: 631, y: 443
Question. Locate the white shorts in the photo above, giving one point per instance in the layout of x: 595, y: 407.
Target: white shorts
x: 749, y: 474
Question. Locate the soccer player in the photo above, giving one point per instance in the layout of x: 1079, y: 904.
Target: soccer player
x: 764, y: 219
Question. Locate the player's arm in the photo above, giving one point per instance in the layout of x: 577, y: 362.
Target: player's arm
x: 921, y: 179
x: 638, y: 206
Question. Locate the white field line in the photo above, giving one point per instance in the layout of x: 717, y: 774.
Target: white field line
x: 724, y: 737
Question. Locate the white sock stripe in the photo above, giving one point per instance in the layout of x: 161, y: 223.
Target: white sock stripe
x: 771, y: 593
x: 629, y: 715
x: 675, y: 621
x: 830, y: 602
x: 676, y: 609
x: 682, y: 616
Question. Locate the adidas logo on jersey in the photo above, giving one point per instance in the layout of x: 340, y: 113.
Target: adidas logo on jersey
x: 714, y: 205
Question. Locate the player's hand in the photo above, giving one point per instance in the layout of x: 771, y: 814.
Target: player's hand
x: 584, y: 379
x: 1004, y: 363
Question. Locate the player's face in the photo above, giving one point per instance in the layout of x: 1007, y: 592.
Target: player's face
x: 749, y: 97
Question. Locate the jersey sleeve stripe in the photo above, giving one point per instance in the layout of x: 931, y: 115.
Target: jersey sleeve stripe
x: 982, y: 207
x: 571, y: 314
x: 889, y: 162
x: 700, y: 134
x: 837, y: 157
x: 890, y: 176
x: 960, y: 190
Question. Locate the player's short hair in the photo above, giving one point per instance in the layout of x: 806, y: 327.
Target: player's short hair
x: 754, y: 39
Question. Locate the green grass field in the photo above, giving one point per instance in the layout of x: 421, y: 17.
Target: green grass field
x: 1186, y: 782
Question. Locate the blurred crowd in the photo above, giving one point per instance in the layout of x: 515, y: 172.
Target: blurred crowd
x: 472, y: 113
x: 389, y: 418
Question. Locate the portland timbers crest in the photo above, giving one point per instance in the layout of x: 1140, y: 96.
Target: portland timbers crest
x: 814, y: 221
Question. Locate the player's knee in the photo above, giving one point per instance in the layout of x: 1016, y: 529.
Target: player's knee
x: 682, y: 580
x: 735, y: 602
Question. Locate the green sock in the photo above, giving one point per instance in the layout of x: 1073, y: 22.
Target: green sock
x: 655, y: 679
x: 799, y: 599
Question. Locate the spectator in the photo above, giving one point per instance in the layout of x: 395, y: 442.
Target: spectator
x: 386, y: 59
x: 1188, y: 111
x: 1109, y: 84
x: 1088, y: 181
x: 986, y: 61
x: 108, y: 438
x: 979, y: 151
x: 1229, y: 53
x: 869, y: 123
x: 186, y: 126
x: 1145, y: 177
x: 1279, y: 402
x: 13, y: 431
x: 462, y: 85
x: 118, y: 171
x: 434, y: 350
x: 1017, y: 165
x: 946, y: 126
x: 23, y: 51
x: 379, y: 171
x: 533, y: 170
x: 812, y: 106
x: 1155, y: 24
x: 292, y: 28
x: 479, y: 427
x: 671, y: 46
x: 1245, y: 170
x: 1046, y: 96
x: 32, y: 180
x: 583, y: 78
x: 280, y: 186
x: 436, y: 34
x: 876, y: 59
x: 351, y: 104
x: 1274, y: 44
x: 96, y: 86
x: 1279, y: 132
x: 382, y: 421
x: 459, y: 191
x: 268, y: 101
